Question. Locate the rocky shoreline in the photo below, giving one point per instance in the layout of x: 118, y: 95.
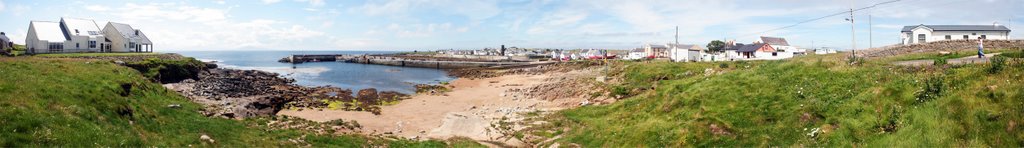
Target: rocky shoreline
x: 237, y: 94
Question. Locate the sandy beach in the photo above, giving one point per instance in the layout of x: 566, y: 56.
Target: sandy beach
x: 470, y: 110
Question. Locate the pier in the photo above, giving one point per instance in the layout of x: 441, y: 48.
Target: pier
x: 391, y: 60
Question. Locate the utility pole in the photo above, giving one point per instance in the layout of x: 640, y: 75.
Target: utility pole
x: 677, y: 35
x: 853, y: 33
x: 871, y: 40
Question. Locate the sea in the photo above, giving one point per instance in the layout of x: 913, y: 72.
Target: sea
x: 352, y: 76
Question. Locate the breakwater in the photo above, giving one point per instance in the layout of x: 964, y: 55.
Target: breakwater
x: 439, y: 63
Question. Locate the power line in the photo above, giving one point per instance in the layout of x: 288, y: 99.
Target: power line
x: 819, y: 18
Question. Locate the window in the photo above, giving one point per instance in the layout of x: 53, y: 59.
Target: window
x: 131, y: 45
x: 920, y: 38
x: 775, y: 54
x: 92, y: 44
x: 965, y: 37
x: 77, y: 45
x: 949, y: 37
x: 983, y: 37
x: 56, y: 46
x: 974, y: 33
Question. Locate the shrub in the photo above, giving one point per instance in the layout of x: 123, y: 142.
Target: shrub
x: 940, y: 62
x: 996, y: 64
x: 168, y: 71
x: 723, y: 65
x: 932, y: 89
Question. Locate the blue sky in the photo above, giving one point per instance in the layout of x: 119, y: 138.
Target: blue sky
x: 469, y: 24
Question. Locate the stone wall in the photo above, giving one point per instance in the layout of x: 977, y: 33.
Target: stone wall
x: 953, y: 45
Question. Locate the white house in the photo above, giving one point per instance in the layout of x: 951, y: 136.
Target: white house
x: 124, y: 38
x: 782, y: 48
x: 636, y: 54
x: 685, y: 52
x: 44, y: 37
x: 930, y: 33
x: 83, y: 35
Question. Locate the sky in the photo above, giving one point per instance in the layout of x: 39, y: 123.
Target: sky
x: 472, y: 24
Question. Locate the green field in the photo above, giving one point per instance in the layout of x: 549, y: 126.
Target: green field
x: 811, y: 101
x: 91, y: 103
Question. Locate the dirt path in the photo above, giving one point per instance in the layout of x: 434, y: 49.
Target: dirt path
x: 964, y: 60
x: 472, y: 109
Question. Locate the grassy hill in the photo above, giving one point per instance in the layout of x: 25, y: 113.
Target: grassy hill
x: 817, y: 101
x: 47, y: 102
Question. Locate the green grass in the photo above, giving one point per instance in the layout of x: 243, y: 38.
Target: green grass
x: 781, y: 103
x: 73, y: 55
x: 83, y: 103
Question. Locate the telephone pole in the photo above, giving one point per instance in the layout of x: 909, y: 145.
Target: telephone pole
x: 871, y: 40
x: 853, y: 34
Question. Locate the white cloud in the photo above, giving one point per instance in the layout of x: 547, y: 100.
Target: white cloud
x: 472, y: 9
x: 2, y: 6
x: 420, y: 30
x: 181, y: 26
x: 314, y: 3
x: 18, y: 10
x: 97, y: 8
x: 270, y: 1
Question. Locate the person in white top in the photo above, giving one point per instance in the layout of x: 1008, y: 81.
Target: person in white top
x: 981, y: 47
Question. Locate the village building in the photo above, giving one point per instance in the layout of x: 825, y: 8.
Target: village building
x: 84, y: 35
x: 930, y: 33
x: 757, y: 51
x: 636, y: 54
x: 656, y: 51
x: 685, y: 52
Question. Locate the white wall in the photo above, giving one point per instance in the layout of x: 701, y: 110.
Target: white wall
x: 959, y: 35
x: 954, y: 35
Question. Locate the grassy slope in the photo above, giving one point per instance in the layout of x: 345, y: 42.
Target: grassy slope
x: 780, y: 103
x: 67, y: 102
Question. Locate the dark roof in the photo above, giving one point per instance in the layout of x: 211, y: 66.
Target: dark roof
x: 959, y: 28
x: 733, y: 47
x: 775, y: 41
x: 750, y: 47
x: 637, y: 50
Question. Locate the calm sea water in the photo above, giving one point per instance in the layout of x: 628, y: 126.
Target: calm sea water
x: 344, y: 75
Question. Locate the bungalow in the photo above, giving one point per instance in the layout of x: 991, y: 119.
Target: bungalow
x: 685, y: 52
x: 636, y: 54
x: 83, y: 35
x: 930, y: 33
x: 127, y: 39
x: 756, y: 51
x: 778, y: 43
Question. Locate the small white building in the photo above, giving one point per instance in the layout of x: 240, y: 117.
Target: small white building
x: 930, y: 33
x: 636, y: 54
x: 685, y: 52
